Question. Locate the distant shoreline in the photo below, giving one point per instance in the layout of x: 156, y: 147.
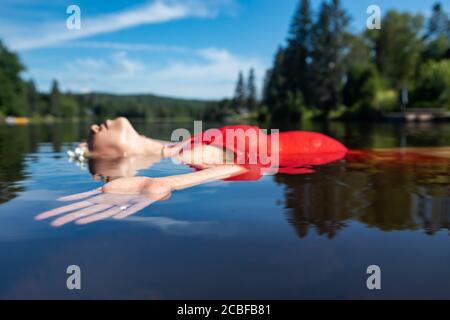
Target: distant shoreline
x: 413, y: 116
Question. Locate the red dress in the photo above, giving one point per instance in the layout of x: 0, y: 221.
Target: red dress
x: 297, y: 150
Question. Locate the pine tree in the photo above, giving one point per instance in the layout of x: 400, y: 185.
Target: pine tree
x: 274, y: 89
x: 251, y: 91
x: 54, y: 99
x: 437, y: 36
x: 328, y: 43
x: 298, y: 51
x: 239, y: 94
x: 32, y: 98
x: 439, y: 23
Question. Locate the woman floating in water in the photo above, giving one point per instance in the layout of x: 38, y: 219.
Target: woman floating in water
x: 245, y: 154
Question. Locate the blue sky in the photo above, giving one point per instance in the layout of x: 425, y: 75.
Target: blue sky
x: 182, y: 48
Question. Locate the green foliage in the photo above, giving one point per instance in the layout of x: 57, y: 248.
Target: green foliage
x: 433, y: 85
x: 328, y: 55
x: 329, y: 66
x: 437, y: 49
x: 11, y: 86
x: 298, y: 52
x: 32, y: 97
x: 386, y: 100
x: 244, y: 102
x: 274, y: 90
x: 309, y: 71
x: 239, y: 94
x: 68, y: 107
x: 55, y: 100
x: 251, y: 91
x: 439, y: 23
x: 397, y: 47
x: 136, y: 106
x: 218, y: 112
x: 361, y: 86
x: 287, y: 85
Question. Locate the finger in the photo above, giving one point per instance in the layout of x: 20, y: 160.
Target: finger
x: 99, y: 216
x: 61, y: 210
x: 133, y: 209
x: 79, y: 214
x: 79, y: 196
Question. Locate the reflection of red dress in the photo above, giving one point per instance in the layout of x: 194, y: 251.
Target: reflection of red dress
x: 297, y: 150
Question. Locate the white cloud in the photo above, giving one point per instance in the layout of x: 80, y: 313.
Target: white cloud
x: 209, y: 73
x: 43, y: 35
x: 121, y: 46
x: 217, y: 65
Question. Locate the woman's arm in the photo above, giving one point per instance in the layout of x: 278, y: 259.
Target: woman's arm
x: 182, y: 181
x: 154, y: 187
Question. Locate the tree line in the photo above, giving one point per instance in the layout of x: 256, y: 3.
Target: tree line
x: 322, y: 71
x: 21, y: 98
x: 325, y: 71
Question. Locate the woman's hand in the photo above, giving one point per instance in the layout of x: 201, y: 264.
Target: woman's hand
x: 120, y: 199
x: 126, y: 196
x: 144, y: 186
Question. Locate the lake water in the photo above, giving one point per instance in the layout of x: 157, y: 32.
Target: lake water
x: 284, y: 236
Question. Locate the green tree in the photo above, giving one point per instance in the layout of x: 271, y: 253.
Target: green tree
x: 433, y: 85
x: 68, y: 106
x: 55, y: 99
x: 397, y: 48
x: 439, y: 23
x: 437, y: 49
x: 328, y: 55
x: 298, y: 52
x: 251, y: 91
x: 360, y: 91
x: 357, y: 51
x: 361, y: 77
x: 274, y: 90
x: 32, y: 98
x: 12, y: 95
x: 437, y: 37
x: 239, y: 100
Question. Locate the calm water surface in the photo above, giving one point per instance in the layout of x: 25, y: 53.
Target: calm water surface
x: 284, y: 236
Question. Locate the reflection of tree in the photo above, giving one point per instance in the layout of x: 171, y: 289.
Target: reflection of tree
x: 13, y: 145
x: 385, y: 195
x: 432, y: 212
x: 18, y: 141
x: 318, y: 200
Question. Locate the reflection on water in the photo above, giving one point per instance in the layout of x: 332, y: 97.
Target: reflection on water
x: 372, y: 209
x: 389, y: 196
x: 18, y: 141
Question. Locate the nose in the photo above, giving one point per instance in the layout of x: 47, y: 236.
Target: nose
x: 95, y: 128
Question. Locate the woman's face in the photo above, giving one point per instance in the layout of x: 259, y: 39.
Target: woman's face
x: 113, y: 138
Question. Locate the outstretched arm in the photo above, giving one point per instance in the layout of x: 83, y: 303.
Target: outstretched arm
x: 156, y: 186
x: 126, y: 196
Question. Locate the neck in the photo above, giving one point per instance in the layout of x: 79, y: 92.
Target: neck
x: 149, y: 146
